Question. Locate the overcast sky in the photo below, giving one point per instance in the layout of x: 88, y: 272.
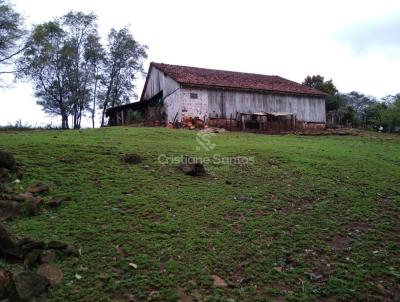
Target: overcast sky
x: 356, y: 43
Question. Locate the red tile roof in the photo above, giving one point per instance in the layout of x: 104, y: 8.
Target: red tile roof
x: 212, y: 78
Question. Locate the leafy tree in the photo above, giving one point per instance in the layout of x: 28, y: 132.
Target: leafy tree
x: 334, y: 102
x: 391, y: 116
x: 63, y: 58
x: 123, y: 62
x: 318, y: 82
x: 44, y: 62
x: 84, y: 54
x: 11, y: 32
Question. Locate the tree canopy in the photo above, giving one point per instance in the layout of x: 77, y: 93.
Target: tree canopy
x: 11, y: 33
x: 71, y: 70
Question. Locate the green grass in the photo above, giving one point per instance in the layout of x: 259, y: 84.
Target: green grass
x: 308, y: 206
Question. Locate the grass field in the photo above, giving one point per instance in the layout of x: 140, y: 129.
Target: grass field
x: 313, y: 218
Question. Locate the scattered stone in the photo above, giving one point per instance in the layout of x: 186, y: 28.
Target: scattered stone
x: 273, y: 162
x: 37, y: 188
x: 145, y: 167
x: 244, y: 198
x: 33, y: 205
x: 190, y: 167
x: 71, y: 251
x: 9, y: 209
x: 33, y: 245
x: 132, y: 158
x: 31, y: 286
x: 32, y: 257
x: 47, y: 256
x: 7, y: 160
x: 4, y: 174
x: 56, y: 245
x: 55, y: 202
x: 5, y: 283
x: 51, y: 273
x: 218, y: 281
x: 183, y: 297
x: 23, y: 196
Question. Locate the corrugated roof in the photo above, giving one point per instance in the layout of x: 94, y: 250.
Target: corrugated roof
x: 213, y: 78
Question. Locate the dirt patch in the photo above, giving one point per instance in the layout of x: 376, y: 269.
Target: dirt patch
x: 132, y: 158
x: 191, y: 167
x: 339, y: 242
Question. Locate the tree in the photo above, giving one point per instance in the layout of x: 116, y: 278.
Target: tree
x: 359, y: 102
x: 391, y: 116
x: 62, y: 59
x: 94, y: 55
x: 318, y: 82
x: 11, y: 32
x: 44, y: 62
x: 84, y: 53
x: 123, y: 61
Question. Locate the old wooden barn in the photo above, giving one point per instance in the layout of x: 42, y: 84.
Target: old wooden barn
x: 177, y: 94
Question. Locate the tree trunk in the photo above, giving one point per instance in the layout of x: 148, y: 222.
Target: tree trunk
x: 94, y: 102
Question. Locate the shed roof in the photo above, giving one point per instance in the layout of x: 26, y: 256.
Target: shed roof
x: 213, y: 78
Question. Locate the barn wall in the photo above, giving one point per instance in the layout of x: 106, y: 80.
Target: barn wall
x: 195, y: 107
x: 158, y: 81
x: 223, y: 104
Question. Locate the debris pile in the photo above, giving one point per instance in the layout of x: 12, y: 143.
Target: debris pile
x: 193, y: 123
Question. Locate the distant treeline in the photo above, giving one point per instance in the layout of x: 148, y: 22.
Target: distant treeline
x: 356, y: 109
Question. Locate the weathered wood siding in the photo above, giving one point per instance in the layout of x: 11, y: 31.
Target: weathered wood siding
x: 223, y: 104
x: 158, y: 81
x: 212, y: 103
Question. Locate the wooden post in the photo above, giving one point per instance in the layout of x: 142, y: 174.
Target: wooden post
x: 243, y: 122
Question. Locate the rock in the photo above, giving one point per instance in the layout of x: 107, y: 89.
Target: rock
x: 132, y: 158
x: 30, y: 285
x: 4, y: 174
x: 55, y: 202
x: 71, y: 251
x: 56, y: 245
x: 218, y: 281
x: 5, y: 283
x: 244, y: 198
x: 183, y: 297
x: 32, y: 257
x: 190, y: 167
x: 33, y: 205
x: 9, y: 209
x: 37, y: 188
x: 7, y: 160
x: 23, y: 196
x: 33, y: 245
x: 7, y: 244
x: 48, y: 256
x: 51, y: 273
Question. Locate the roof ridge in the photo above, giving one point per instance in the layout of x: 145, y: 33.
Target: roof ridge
x: 221, y: 70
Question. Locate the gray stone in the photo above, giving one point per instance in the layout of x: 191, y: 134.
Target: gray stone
x: 30, y: 285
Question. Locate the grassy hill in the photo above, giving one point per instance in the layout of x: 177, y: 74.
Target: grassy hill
x: 312, y: 218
